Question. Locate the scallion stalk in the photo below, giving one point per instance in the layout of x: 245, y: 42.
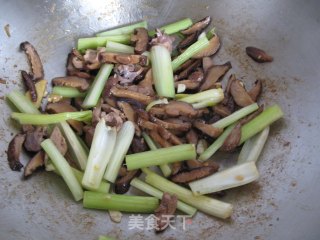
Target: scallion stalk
x: 162, y: 71
x: 64, y: 168
x: 123, y: 30
x: 123, y: 141
x: 252, y: 148
x: 174, y: 27
x: 203, y: 203
x: 22, y: 103
x: 75, y: 147
x: 235, y: 176
x: 241, y: 113
x: 67, y: 92
x: 165, y: 168
x: 95, y: 42
x: 115, y: 47
x: 264, y: 119
x: 123, y: 203
x: 205, y: 103
x: 216, y: 144
x: 137, y: 183
x: 161, y: 156
x: 211, y: 33
x: 189, y: 52
x: 181, y: 95
x: 213, y: 95
x: 45, y: 119
x: 103, y: 142
x: 97, y: 86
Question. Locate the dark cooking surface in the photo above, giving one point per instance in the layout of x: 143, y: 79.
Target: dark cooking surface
x: 283, y: 204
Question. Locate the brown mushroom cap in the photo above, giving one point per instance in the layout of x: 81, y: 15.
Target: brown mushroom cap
x: 106, y: 57
x: 140, y: 38
x: 14, y: 150
x: 233, y: 140
x: 195, y: 174
x: 36, y: 162
x: 258, y: 55
x: 198, y: 26
x: 256, y: 90
x: 239, y: 94
x: 167, y: 207
x: 71, y: 81
x: 30, y: 85
x: 214, y: 74
x: 59, y: 141
x: 207, y: 128
x: 212, y: 48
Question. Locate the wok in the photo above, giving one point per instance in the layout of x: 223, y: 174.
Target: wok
x: 283, y: 204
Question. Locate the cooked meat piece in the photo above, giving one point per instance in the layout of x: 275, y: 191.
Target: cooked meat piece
x: 77, y: 102
x: 34, y: 59
x: 14, y: 150
x: 88, y: 134
x: 140, y: 38
x: 78, y: 60
x: 239, y: 94
x: 145, y: 124
x: 258, y: 55
x: 61, y: 107
x: 187, y: 71
x: 222, y: 110
x: 169, y: 125
x: 36, y: 162
x: 212, y: 48
x: 131, y: 94
x: 59, y: 141
x: 256, y: 90
x: 108, y: 109
x: 138, y: 145
x: 80, y: 83
x: 177, y: 108
x: 194, y: 164
x: 112, y: 119
x: 111, y: 82
x: 165, y: 211
x: 207, y: 129
x: 214, y: 74
x: 158, y: 139
x: 34, y: 139
x: 207, y: 63
x: 147, y: 82
x: 248, y: 118
x: 30, y: 85
x: 198, y: 26
x: 232, y: 140
x: 157, y: 111
x: 163, y: 40
x: 169, y: 136
x: 192, y: 137
x: 107, y: 57
x: 127, y: 73
x: 136, y: 88
x: 72, y: 71
x: 192, y: 38
x: 122, y: 184
x: 198, y: 173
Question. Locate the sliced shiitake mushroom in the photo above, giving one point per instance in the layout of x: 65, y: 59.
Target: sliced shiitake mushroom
x: 140, y: 38
x: 256, y: 90
x: 214, y: 74
x: 198, y: 26
x: 211, y: 49
x: 36, y: 162
x: 258, y: 55
x: 107, y: 57
x: 71, y: 81
x: 197, y: 173
x: 14, y: 150
x: 34, y: 59
x: 239, y: 94
x: 30, y: 85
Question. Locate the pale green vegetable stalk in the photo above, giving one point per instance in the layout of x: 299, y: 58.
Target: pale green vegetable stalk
x: 205, y: 103
x: 123, y: 30
x: 229, y: 178
x: 22, y: 103
x: 123, y: 203
x: 95, y: 42
x: 63, y: 167
x: 165, y: 168
x: 174, y: 27
x: 162, y: 71
x: 67, y: 92
x: 161, y: 156
x: 189, y: 52
x: 115, y: 47
x: 252, y: 148
x: 124, y: 139
x: 105, y: 238
x: 103, y: 142
x: 97, y: 86
x: 137, y: 183
x: 75, y: 147
x: 216, y: 144
x: 213, y: 95
x: 241, y: 113
x: 211, y: 33
x: 45, y: 119
x: 203, y: 203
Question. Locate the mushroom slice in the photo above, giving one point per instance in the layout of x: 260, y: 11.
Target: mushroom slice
x: 72, y: 71
x: 214, y: 74
x: 14, y: 150
x: 258, y: 55
x: 30, y: 85
x: 138, y: 145
x: 88, y: 134
x: 140, y: 38
x: 170, y: 125
x: 71, y: 81
x: 111, y: 82
x: 36, y: 162
x: 195, y: 174
x: 112, y: 119
x: 177, y: 108
x: 34, y: 139
x: 192, y: 38
x: 189, y: 84
x: 233, y: 140
x: 106, y: 57
x: 192, y: 137
x: 34, y: 59
x: 198, y: 26
x: 207, y: 128
x: 211, y: 49
x: 130, y: 114
x: 122, y: 184
x: 169, y: 136
x: 207, y: 63
x: 165, y: 212
x: 158, y: 139
x: 248, y: 118
x: 61, y: 107
x: 239, y: 94
x: 123, y: 93
x: 222, y: 110
x: 256, y: 90
x: 59, y: 141
x: 186, y: 72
